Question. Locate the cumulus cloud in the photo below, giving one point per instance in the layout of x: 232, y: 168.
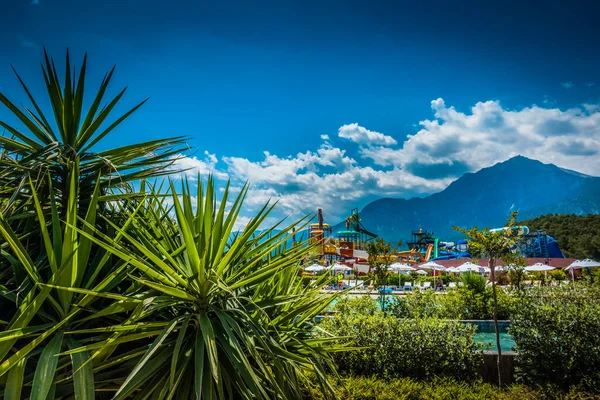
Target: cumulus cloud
x: 567, y: 85
x: 456, y: 141
x: 192, y: 166
x: 358, y: 134
x: 442, y: 148
x: 327, y: 179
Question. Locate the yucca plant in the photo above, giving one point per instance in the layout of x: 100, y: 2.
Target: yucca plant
x: 50, y: 175
x: 71, y: 287
x: 46, y: 147
x: 238, y: 321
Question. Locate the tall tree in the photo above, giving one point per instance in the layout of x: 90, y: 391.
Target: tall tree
x: 381, y: 256
x: 494, y: 245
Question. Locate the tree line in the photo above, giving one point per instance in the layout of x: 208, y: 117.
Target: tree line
x: 577, y: 235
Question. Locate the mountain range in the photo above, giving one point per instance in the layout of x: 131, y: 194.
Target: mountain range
x: 485, y: 198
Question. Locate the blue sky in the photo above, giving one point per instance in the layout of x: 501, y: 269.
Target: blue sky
x: 351, y: 100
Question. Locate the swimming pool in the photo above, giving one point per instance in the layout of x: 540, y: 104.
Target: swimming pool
x: 487, y: 337
x: 485, y: 333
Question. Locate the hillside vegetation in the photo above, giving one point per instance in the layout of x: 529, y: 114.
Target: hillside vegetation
x: 578, y: 235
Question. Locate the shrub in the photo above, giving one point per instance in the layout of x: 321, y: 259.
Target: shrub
x: 556, y: 335
x: 426, y: 303
x: 474, y: 282
x: 557, y: 275
x: 362, y: 388
x: 391, y: 347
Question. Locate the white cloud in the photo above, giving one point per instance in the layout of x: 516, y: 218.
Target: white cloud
x: 590, y: 84
x: 567, y: 85
x: 455, y: 142
x: 324, y: 137
x: 358, y: 134
x: 328, y: 179
x: 192, y: 166
x: 445, y: 147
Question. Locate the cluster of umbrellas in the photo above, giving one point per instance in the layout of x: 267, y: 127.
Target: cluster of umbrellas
x: 319, y: 268
x: 466, y: 267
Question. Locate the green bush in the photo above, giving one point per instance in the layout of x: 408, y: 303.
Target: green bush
x: 462, y: 303
x: 392, y: 347
x: 556, y: 335
x: 558, y: 275
x: 361, y: 388
x: 426, y: 303
x: 370, y: 388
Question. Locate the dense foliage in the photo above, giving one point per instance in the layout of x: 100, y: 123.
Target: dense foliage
x: 421, y: 348
x: 473, y: 300
x: 111, y: 292
x: 556, y: 335
x: 578, y: 236
x: 371, y: 388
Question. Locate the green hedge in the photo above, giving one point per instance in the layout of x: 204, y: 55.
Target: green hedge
x: 557, y: 335
x: 460, y: 303
x: 361, y: 388
x: 393, y: 347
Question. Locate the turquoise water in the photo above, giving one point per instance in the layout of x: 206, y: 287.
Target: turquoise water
x: 488, y: 339
x: 484, y: 334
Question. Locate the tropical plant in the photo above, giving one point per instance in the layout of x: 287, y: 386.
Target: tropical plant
x: 106, y: 290
x: 49, y: 148
x: 51, y: 184
x: 474, y: 282
x: 71, y: 289
x: 237, y: 318
x: 494, y: 245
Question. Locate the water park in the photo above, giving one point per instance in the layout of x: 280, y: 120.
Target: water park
x: 345, y: 250
x: 433, y: 277
x: 137, y: 291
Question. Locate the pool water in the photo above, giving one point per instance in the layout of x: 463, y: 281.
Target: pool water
x: 486, y: 335
x: 488, y: 339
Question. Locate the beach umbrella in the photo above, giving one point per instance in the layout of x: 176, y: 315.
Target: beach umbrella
x: 578, y: 264
x: 341, y: 267
x: 587, y: 263
x: 400, y: 267
x: 421, y: 272
x: 315, y: 268
x: 452, y: 269
x: 468, y: 267
x: 434, y: 266
x: 537, y: 267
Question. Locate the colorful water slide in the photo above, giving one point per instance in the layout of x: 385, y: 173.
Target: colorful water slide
x: 521, y: 230
x: 428, y: 253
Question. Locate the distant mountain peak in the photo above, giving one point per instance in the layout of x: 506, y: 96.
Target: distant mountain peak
x: 485, y: 197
